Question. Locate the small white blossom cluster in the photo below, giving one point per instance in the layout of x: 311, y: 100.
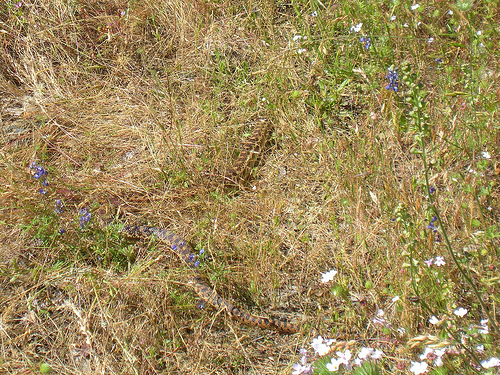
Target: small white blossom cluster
x: 298, y: 39
x: 437, y: 261
x: 322, y: 347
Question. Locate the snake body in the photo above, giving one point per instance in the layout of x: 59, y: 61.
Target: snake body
x: 209, y: 295
x: 240, y: 171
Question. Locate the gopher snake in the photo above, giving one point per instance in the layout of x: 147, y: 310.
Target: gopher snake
x: 240, y: 171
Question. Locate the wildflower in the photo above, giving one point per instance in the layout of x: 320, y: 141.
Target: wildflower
x: 439, y: 60
x: 85, y: 217
x: 433, y: 320
x: 297, y: 38
x: 395, y: 299
x: 418, y: 367
x: 174, y: 248
x: 484, y: 327
x: 356, y: 28
x: 197, y: 263
x: 492, y: 362
x: 379, y: 319
x: 415, y: 6
x: 479, y: 32
x: 202, y: 251
x: 321, y: 346
x: 432, y: 224
x: 39, y: 172
x: 314, y: 14
x: 367, y: 42
x: 59, y: 206
x: 460, y: 312
x: 191, y: 257
x: 377, y: 354
x: 301, y: 51
x: 433, y: 355
x: 61, y: 231
x: 392, y: 75
x: 439, y: 261
x: 429, y: 262
x: 42, y: 191
x: 486, y: 155
x: 392, y: 18
x: 19, y: 4
x: 430, y: 40
x: 333, y: 365
x: 302, y: 367
x: 201, y: 304
x: 432, y: 190
x: 450, y: 12
x: 45, y: 183
x: 328, y: 276
x: 344, y: 357
x: 480, y: 348
x: 365, y: 353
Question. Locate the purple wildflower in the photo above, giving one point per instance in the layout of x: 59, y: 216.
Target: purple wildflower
x: 367, y: 41
x: 392, y: 75
x: 59, y: 206
x: 85, y: 217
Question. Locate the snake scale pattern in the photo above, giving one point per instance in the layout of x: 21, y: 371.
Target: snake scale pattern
x: 240, y: 171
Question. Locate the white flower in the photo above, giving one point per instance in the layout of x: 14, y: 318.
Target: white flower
x: 356, y: 28
x: 429, y: 262
x: 492, y: 362
x: 436, y: 354
x: 300, y: 369
x: 433, y: 320
x: 480, y: 348
x: 486, y: 155
x: 297, y: 38
x: 450, y: 12
x: 321, y: 346
x: 333, y: 365
x: 344, y: 357
x: 314, y: 14
x: 380, y: 318
x: 301, y: 51
x: 418, y: 367
x: 439, y: 261
x: 484, y: 326
x: 426, y: 352
x: 392, y: 18
x: 430, y: 40
x: 394, y: 299
x: 460, y: 312
x: 405, y: 25
x: 365, y: 352
x: 415, y: 6
x: 328, y: 276
x: 479, y: 32
x: 377, y: 354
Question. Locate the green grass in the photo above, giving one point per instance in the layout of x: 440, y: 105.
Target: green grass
x: 137, y: 112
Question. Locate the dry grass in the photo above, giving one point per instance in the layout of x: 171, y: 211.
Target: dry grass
x: 138, y: 111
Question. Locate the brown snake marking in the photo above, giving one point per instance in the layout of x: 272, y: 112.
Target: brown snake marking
x: 240, y: 171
